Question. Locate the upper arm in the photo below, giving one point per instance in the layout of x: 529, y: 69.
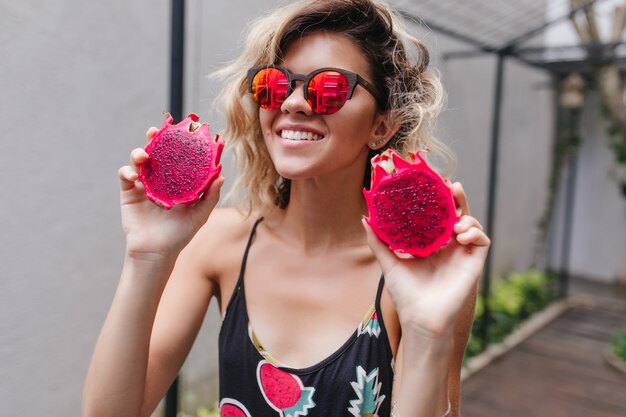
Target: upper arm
x: 178, y: 319
x: 182, y: 308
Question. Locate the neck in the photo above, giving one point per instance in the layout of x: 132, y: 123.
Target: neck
x: 324, y: 214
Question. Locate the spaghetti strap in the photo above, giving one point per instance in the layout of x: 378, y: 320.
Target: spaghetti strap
x: 239, y: 284
x: 245, y: 254
x: 379, y: 292
x: 381, y: 319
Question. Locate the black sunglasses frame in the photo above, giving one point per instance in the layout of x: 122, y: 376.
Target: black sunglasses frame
x: 352, y: 78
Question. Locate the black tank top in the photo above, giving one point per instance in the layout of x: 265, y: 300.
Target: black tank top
x: 356, y: 380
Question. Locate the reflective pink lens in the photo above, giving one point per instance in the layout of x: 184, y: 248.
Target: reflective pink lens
x: 327, y: 92
x: 269, y: 88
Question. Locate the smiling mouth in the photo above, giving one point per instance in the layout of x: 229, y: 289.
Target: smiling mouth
x: 297, y: 135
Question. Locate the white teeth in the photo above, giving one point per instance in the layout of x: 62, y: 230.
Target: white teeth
x: 299, y: 135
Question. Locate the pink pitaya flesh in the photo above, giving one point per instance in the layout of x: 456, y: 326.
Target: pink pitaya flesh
x: 184, y: 161
x: 411, y: 207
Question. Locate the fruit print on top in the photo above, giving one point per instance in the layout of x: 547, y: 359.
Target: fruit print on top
x: 367, y: 389
x: 232, y: 408
x: 283, y: 391
x: 370, y: 324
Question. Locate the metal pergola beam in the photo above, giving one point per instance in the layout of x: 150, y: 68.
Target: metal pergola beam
x: 581, y: 65
x: 610, y: 46
x: 529, y: 34
x: 537, y: 50
x: 556, y: 66
x: 510, y: 45
x: 447, y: 31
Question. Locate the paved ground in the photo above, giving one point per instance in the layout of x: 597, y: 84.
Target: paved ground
x: 559, y: 371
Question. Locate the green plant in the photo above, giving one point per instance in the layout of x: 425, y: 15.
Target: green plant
x: 619, y: 344
x: 510, y: 302
x: 200, y: 412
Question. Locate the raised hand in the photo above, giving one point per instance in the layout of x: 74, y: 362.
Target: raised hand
x: 149, y: 229
x: 429, y: 293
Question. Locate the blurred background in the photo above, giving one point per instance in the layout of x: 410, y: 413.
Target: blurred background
x: 536, y: 116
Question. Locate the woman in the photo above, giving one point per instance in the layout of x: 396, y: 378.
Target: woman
x: 319, y: 318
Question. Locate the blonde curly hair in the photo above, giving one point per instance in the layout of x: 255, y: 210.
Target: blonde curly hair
x: 399, y: 62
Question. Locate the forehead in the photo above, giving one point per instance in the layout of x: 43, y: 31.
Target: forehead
x: 324, y: 49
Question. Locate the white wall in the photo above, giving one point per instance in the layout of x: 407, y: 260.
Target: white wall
x: 80, y: 83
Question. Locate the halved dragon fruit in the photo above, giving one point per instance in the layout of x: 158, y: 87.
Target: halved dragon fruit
x: 411, y: 207
x: 184, y: 161
x: 283, y: 391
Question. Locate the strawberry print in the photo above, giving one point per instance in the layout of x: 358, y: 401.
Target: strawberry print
x: 283, y: 391
x: 367, y: 389
x: 232, y: 408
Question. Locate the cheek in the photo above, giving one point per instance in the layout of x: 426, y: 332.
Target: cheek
x: 357, y: 122
x: 265, y: 121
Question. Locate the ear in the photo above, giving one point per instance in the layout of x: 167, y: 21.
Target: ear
x: 382, y: 131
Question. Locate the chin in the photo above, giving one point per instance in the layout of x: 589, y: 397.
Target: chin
x: 291, y: 175
x: 294, y: 171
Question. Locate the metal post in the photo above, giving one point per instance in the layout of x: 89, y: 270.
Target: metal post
x: 491, y: 196
x: 570, y: 193
x: 177, y: 54
x: 176, y: 110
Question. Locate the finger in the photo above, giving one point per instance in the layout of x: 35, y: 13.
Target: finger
x: 151, y: 132
x: 213, y: 186
x: 383, y: 254
x: 212, y: 194
x: 460, y: 198
x: 137, y: 157
x: 127, y: 176
x: 474, y: 236
x: 465, y: 223
x: 209, y: 200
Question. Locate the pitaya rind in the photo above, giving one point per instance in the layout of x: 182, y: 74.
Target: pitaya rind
x: 183, y: 162
x: 411, y: 207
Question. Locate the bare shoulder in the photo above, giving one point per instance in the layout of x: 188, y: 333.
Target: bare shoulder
x: 227, y: 222
x: 219, y: 244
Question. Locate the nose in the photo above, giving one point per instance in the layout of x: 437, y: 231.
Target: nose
x: 296, y: 103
